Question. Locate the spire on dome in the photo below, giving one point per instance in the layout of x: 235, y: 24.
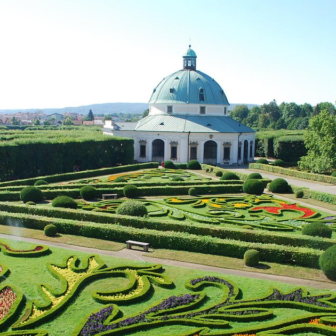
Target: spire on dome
x: 189, y: 59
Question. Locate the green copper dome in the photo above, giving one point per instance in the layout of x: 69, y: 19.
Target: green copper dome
x: 190, y: 53
x: 189, y: 87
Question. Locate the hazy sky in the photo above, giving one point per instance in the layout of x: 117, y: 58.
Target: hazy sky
x: 57, y: 53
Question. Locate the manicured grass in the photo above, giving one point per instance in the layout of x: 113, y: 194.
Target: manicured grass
x: 26, y: 273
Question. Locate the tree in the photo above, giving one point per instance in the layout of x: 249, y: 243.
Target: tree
x: 271, y: 110
x: 327, y: 106
x: 68, y: 121
x: 37, y: 122
x: 90, y: 116
x: 107, y: 117
x: 15, y: 121
x: 291, y: 111
x: 253, y: 117
x: 320, y: 140
x: 46, y: 123
x: 145, y: 113
x: 239, y: 113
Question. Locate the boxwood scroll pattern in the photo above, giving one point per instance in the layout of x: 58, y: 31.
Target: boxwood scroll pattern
x: 33, y: 252
x: 73, y: 276
x: 187, y: 309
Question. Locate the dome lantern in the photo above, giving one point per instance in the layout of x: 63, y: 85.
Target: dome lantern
x: 189, y: 59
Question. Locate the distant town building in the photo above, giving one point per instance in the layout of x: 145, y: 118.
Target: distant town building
x: 188, y: 119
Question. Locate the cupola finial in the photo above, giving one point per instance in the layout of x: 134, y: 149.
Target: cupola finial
x: 189, y: 59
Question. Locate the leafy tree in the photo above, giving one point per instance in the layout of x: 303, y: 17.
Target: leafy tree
x: 145, y: 113
x: 264, y: 121
x: 320, y: 140
x: 107, y: 117
x: 15, y: 121
x: 253, y: 117
x: 306, y: 110
x: 290, y: 112
x: 272, y: 111
x: 46, y: 123
x: 239, y: 113
x: 280, y: 124
x: 68, y: 121
x: 90, y: 116
x: 328, y: 107
x: 37, y: 122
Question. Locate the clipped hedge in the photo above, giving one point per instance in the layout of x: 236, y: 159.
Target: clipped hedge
x: 317, y: 229
x: 132, y: 208
x: 194, y: 164
x: 328, y: 263
x: 31, y: 194
x: 64, y: 202
x: 251, y: 258
x: 88, y: 192
x: 229, y: 176
x: 306, y: 257
x: 253, y: 187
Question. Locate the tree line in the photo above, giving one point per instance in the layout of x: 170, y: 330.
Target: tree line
x: 284, y: 116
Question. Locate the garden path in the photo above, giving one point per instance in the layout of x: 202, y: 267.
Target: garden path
x: 146, y: 258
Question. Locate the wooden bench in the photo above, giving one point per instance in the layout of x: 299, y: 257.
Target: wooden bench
x: 105, y: 196
x: 130, y: 243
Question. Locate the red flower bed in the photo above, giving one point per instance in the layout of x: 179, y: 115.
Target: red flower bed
x: 276, y: 210
x: 7, y: 299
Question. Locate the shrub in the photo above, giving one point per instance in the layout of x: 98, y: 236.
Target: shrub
x: 50, y: 230
x: 194, y: 164
x: 130, y: 191
x: 254, y: 176
x: 219, y: 173
x: 328, y: 262
x: 251, y: 257
x: 249, y: 227
x: 177, y: 179
x: 192, y: 192
x: 64, y: 202
x: 299, y: 193
x: 279, y: 163
x: 31, y: 194
x: 132, y: 208
x: 262, y: 161
x: 333, y: 174
x: 30, y: 203
x: 40, y: 182
x: 88, y: 192
x: 169, y: 164
x: 253, y: 187
x: 279, y: 185
x: 120, y: 179
x: 317, y: 229
x: 229, y: 176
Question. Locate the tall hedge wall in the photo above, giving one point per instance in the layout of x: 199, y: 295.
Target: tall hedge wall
x: 289, y: 148
x: 26, y: 160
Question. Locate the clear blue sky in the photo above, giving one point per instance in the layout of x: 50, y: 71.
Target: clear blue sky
x: 57, y: 53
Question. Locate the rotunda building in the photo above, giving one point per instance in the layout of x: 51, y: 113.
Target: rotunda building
x: 188, y: 120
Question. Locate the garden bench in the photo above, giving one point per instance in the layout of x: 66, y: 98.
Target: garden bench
x: 105, y: 196
x: 130, y: 243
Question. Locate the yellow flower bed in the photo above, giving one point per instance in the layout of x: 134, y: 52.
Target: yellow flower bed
x: 205, y: 200
x: 215, y: 205
x: 176, y: 200
x: 240, y: 205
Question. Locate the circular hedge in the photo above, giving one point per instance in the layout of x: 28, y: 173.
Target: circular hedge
x: 88, y: 192
x: 229, y: 176
x: 299, y: 193
x: 279, y: 185
x: 169, y: 164
x: 50, y: 230
x: 64, y: 202
x: 32, y: 194
x: 177, y: 179
x: 263, y: 161
x: 192, y: 192
x: 132, y: 208
x: 120, y: 179
x: 130, y: 191
x: 317, y: 229
x: 328, y: 262
x: 253, y: 187
x: 251, y: 257
x: 279, y: 163
x: 254, y: 176
x: 40, y: 182
x: 194, y: 164
x: 219, y: 173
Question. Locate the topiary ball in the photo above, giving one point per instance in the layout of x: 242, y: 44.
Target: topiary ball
x: 169, y: 164
x: 40, y: 182
x: 299, y: 193
x: 31, y: 194
x: 194, y: 164
x: 177, y: 179
x: 229, y: 176
x: 262, y: 161
x: 88, y: 192
x: 50, y: 230
x: 64, y: 202
x: 279, y: 163
x: 253, y: 187
x: 219, y: 173
x: 279, y: 185
x: 251, y: 257
x: 192, y: 192
x: 120, y: 179
x: 328, y: 262
x: 254, y: 176
x: 317, y: 229
x: 130, y: 191
x: 132, y: 208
